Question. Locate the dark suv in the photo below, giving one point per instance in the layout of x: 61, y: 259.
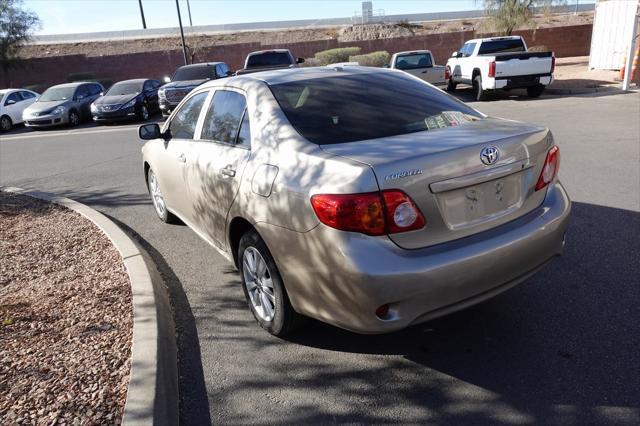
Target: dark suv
x: 185, y: 79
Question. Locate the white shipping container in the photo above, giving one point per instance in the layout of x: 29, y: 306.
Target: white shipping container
x: 612, y: 28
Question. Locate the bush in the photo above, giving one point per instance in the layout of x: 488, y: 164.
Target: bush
x: 332, y: 56
x: 373, y: 59
x: 539, y: 48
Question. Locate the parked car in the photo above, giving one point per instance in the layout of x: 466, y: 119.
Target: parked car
x: 12, y: 103
x: 126, y: 100
x: 421, y: 64
x: 68, y: 103
x: 386, y: 206
x: 500, y: 63
x: 185, y: 79
x: 264, y: 60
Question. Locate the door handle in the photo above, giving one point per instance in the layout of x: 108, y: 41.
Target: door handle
x: 228, y: 171
x: 182, y: 158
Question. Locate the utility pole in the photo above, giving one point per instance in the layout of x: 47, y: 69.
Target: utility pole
x: 184, y: 46
x: 575, y: 12
x: 144, y: 23
x: 189, y: 10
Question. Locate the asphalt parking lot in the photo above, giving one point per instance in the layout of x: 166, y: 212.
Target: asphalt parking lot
x: 561, y: 348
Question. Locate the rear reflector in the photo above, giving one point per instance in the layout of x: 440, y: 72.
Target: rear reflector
x: 382, y: 311
x: 372, y: 213
x: 492, y: 69
x: 550, y: 168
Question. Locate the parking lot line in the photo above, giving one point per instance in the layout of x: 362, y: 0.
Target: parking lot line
x: 41, y: 134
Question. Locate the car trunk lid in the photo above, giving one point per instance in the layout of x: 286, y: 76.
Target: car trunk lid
x: 442, y: 171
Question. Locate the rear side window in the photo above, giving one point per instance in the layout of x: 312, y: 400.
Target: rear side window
x: 409, y: 62
x: 27, y: 95
x: 83, y: 91
x: 183, y: 124
x: 223, y: 118
x: 268, y: 59
x: 497, y: 46
x: 94, y: 89
x: 363, y: 106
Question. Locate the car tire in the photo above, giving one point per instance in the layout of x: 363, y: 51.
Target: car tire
x: 535, y: 91
x: 159, y: 205
x: 264, y: 289
x: 478, y: 92
x: 144, y: 112
x: 5, y: 123
x: 451, y: 86
x: 74, y: 118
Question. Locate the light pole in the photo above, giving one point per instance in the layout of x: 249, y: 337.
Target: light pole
x: 184, y: 47
x: 144, y: 23
x: 189, y: 10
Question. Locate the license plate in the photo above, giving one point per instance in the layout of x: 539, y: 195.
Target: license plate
x: 483, y: 202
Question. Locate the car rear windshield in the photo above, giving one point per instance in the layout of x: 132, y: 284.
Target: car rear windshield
x: 357, y: 107
x: 124, y: 89
x: 417, y: 60
x: 497, y: 46
x: 268, y: 59
x: 57, y: 94
x: 193, y: 73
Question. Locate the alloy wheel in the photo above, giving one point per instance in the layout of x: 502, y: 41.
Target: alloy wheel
x: 257, y: 280
x: 5, y: 124
x: 156, y: 195
x: 74, y: 119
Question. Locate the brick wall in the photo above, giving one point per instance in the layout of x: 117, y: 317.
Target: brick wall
x: 44, y: 72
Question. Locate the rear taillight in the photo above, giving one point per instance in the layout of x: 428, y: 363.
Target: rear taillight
x: 550, y: 168
x: 372, y: 213
x: 492, y: 69
x: 553, y: 63
x: 447, y: 74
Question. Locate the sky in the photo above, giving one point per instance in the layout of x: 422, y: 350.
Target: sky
x: 81, y: 16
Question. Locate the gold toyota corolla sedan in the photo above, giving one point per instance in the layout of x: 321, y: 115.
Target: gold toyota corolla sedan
x: 362, y: 197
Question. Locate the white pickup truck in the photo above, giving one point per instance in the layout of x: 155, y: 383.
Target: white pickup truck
x: 500, y: 63
x: 421, y: 64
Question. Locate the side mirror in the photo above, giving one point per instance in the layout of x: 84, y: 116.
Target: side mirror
x: 300, y: 61
x: 454, y: 54
x: 149, y: 131
x: 166, y: 79
x: 10, y: 102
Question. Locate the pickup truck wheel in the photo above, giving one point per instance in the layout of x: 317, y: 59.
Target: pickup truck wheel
x: 479, y: 93
x: 263, y: 287
x: 451, y: 85
x: 535, y: 91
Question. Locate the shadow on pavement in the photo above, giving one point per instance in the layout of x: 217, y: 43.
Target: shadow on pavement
x: 194, y: 405
x: 465, y: 94
x: 561, y: 348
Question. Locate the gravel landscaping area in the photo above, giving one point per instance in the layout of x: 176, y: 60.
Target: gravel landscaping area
x: 65, y: 318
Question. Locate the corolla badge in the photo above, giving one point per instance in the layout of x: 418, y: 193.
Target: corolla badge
x: 489, y: 155
x: 403, y: 174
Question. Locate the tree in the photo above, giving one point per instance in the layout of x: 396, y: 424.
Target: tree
x: 16, y: 28
x: 507, y: 15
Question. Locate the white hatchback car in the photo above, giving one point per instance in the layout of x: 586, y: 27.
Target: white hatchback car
x: 12, y: 103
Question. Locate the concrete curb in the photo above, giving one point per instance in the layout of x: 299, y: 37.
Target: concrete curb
x: 152, y: 396
x: 581, y: 91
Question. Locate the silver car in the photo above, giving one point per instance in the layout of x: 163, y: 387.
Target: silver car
x: 68, y: 103
x: 362, y: 197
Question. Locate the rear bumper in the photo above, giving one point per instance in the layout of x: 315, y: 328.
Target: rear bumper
x: 342, y: 278
x: 520, y: 82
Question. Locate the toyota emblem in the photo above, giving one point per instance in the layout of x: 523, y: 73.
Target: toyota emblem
x: 489, y: 155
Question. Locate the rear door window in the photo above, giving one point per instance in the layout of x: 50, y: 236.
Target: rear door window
x: 184, y: 122
x: 27, y: 95
x: 83, y: 91
x: 497, y: 46
x: 222, y: 122
x: 409, y: 62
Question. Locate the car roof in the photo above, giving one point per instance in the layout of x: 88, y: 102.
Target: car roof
x: 257, y: 52
x: 286, y: 75
x: 410, y: 52
x: 211, y: 64
x: 477, y: 40
x: 74, y: 84
x: 133, y: 80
